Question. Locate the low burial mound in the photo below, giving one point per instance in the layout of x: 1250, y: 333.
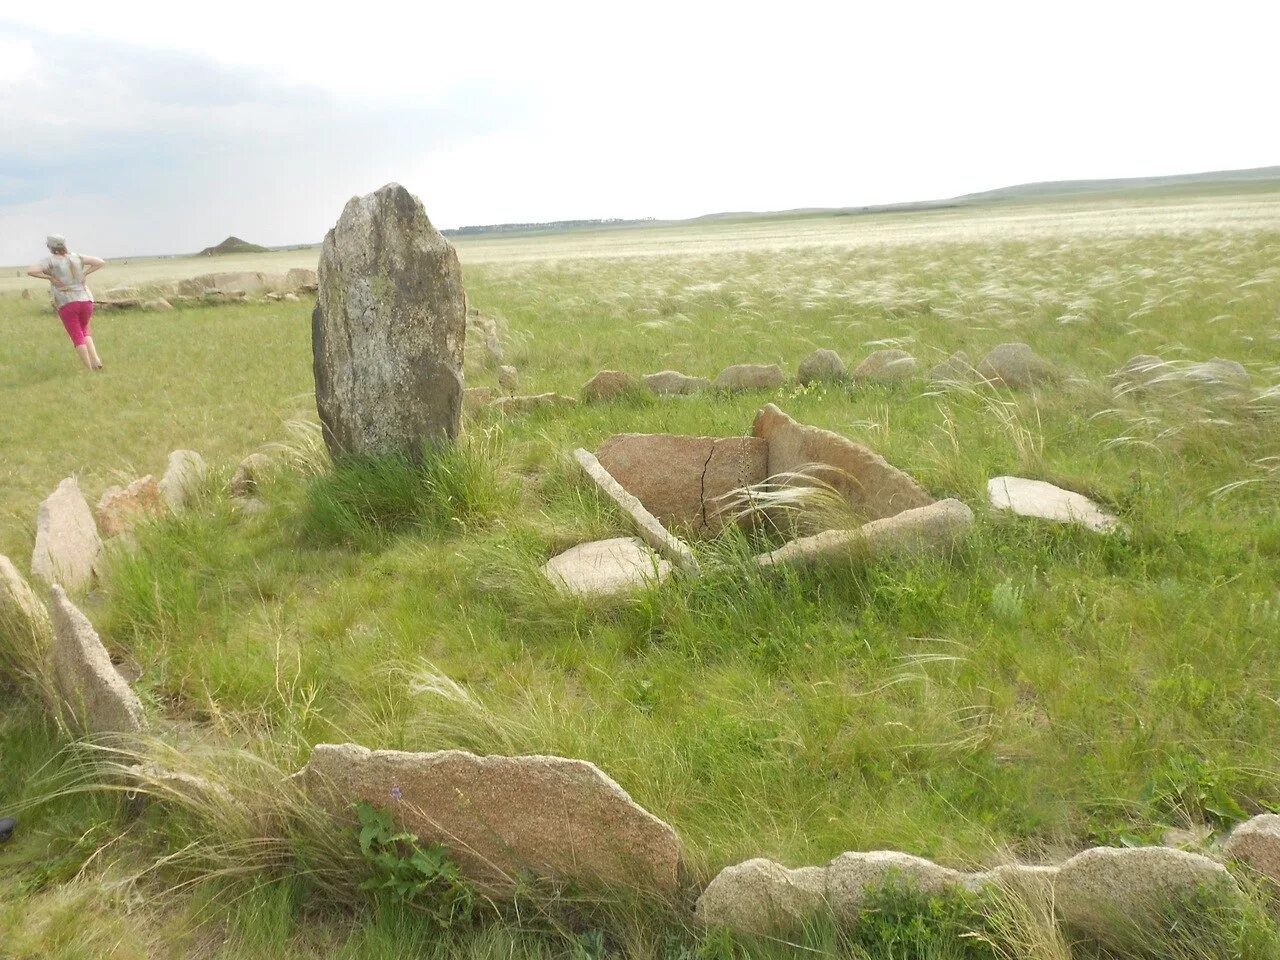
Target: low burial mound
x: 232, y: 245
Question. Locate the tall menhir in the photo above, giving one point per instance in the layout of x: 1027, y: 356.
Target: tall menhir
x: 388, y: 330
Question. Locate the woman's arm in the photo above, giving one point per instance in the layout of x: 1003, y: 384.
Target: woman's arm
x: 91, y: 264
x: 37, y: 270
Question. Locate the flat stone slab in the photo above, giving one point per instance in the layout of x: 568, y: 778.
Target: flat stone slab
x: 647, y: 525
x: 606, y: 568
x: 500, y: 816
x: 67, y: 541
x: 1035, y: 498
x: 938, y: 527
x: 96, y: 699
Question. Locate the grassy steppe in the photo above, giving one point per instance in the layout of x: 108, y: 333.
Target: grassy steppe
x: 1044, y: 690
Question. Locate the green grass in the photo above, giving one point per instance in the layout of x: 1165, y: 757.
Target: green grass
x: 1042, y: 690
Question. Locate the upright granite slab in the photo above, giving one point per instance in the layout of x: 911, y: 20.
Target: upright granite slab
x: 501, y: 816
x: 388, y: 330
x: 67, y: 541
x: 184, y: 472
x: 96, y: 699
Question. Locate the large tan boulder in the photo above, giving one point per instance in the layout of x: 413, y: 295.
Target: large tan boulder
x: 872, y: 486
x: 67, y: 541
x: 671, y: 383
x: 606, y: 568
x: 1104, y: 886
x: 96, y: 699
x: 1256, y: 843
x: 760, y: 897
x: 938, y: 527
x: 501, y: 816
x: 184, y: 474
x: 1017, y: 366
x: 25, y: 628
x: 680, y: 480
x: 957, y: 368
x: 886, y: 366
x: 821, y: 366
x: 388, y: 330
x: 750, y: 376
x: 609, y: 385
x: 300, y: 278
x: 647, y: 525
x: 120, y: 509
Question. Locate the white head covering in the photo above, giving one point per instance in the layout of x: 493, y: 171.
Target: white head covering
x: 55, y: 241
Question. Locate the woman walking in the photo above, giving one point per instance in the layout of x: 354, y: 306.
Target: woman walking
x: 66, y: 273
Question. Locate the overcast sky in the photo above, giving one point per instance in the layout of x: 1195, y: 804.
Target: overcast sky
x: 138, y: 127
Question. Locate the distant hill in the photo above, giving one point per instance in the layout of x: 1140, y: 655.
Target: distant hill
x: 232, y: 245
x: 551, y: 225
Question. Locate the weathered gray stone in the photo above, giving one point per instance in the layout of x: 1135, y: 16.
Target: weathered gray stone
x: 508, y: 379
x: 609, y: 385
x: 680, y: 480
x: 183, y: 475
x: 1035, y: 498
x: 490, y: 336
x: 937, y: 527
x: 873, y: 487
x: 1017, y: 366
x: 852, y: 876
x: 542, y: 401
x: 1100, y: 887
x: 97, y: 700
x: 647, y: 525
x: 606, y: 568
x: 886, y: 366
x: 24, y: 621
x: 67, y: 541
x: 499, y: 816
x: 957, y: 368
x: 1256, y: 843
x: 669, y: 383
x: 388, y: 329
x: 750, y: 376
x: 821, y: 366
x: 120, y: 509
x: 244, y: 482
x: 760, y: 897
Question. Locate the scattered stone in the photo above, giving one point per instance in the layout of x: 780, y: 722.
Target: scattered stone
x: 96, y: 698
x: 183, y: 475
x: 852, y: 876
x: 489, y: 333
x: 501, y: 816
x: 290, y: 298
x: 957, y: 368
x: 1140, y: 371
x: 300, y: 278
x: 606, y: 568
x: 1017, y: 366
x: 67, y: 541
x: 117, y: 303
x: 121, y: 293
x: 937, y: 527
x: 1097, y: 888
x: 475, y: 399
x: 388, y: 329
x: 541, y: 401
x: 886, y: 366
x: 24, y: 621
x: 669, y: 383
x: 244, y: 482
x: 236, y: 283
x: 1256, y: 844
x: 159, y: 304
x: 750, y: 376
x: 680, y: 479
x: 609, y: 385
x: 249, y: 506
x: 872, y: 486
x: 821, y: 366
x: 7, y: 826
x: 1035, y: 498
x: 648, y: 526
x: 508, y: 379
x: 163, y: 784
x: 760, y: 897
x: 26, y: 294
x: 120, y: 509
x: 274, y: 297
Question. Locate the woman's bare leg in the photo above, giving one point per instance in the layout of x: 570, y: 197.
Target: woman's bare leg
x: 93, y: 354
x: 84, y: 352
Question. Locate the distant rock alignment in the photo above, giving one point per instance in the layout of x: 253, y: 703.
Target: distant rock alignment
x: 388, y: 330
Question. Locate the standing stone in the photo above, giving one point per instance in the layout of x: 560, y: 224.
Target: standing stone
x: 67, y: 541
x: 96, y: 698
x: 388, y: 329
x: 183, y: 474
x: 24, y: 622
x: 119, y: 509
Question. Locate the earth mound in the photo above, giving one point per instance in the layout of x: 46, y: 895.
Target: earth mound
x: 232, y: 245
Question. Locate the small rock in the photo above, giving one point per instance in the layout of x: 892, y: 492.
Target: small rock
x: 290, y: 298
x: 957, y: 368
x: 606, y: 568
x: 26, y: 294
x: 760, y: 897
x: 670, y: 383
x: 120, y: 509
x: 67, y: 541
x: 1016, y: 365
x: 608, y: 385
x: 852, y: 876
x: 475, y: 399
x: 508, y: 379
x: 273, y: 296
x: 7, y: 826
x: 750, y: 376
x: 158, y: 304
x: 250, y: 506
x: 244, y: 482
x: 183, y: 474
x: 300, y: 278
x: 821, y: 366
x: 541, y: 401
x: 23, y: 617
x: 1256, y: 843
x: 1035, y: 498
x: 886, y: 366
x: 96, y: 698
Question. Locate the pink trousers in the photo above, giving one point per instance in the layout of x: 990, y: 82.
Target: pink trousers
x: 75, y: 317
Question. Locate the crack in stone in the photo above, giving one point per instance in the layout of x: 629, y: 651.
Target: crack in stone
x: 702, y: 493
